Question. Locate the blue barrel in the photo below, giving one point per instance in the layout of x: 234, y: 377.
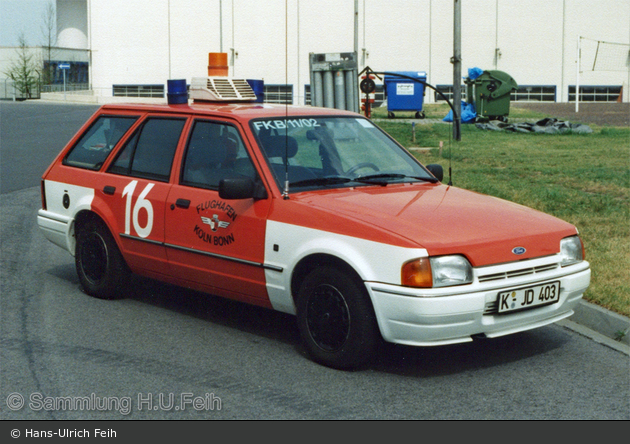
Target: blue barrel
x: 177, y: 92
x: 259, y: 89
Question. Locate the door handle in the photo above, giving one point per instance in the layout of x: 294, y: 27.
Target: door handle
x: 182, y: 203
x: 109, y: 190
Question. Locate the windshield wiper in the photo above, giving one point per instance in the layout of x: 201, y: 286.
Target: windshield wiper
x: 328, y: 180
x: 372, y: 179
x: 384, y: 178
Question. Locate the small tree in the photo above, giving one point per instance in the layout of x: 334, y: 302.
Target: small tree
x: 24, y: 71
x: 49, y: 32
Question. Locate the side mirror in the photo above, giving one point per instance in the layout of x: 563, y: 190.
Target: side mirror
x: 241, y: 188
x: 436, y: 170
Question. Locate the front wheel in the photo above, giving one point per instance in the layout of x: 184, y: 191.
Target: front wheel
x: 336, y: 319
x: 102, y: 270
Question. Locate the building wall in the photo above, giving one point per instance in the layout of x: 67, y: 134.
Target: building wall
x: 607, y: 21
x: 72, y: 24
x: 150, y: 41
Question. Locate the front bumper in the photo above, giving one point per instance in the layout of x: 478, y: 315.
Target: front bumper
x: 431, y: 317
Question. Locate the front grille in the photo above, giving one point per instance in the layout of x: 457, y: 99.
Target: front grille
x: 491, y: 307
x: 517, y: 273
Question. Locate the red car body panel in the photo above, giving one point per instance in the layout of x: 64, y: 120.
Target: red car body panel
x: 444, y: 220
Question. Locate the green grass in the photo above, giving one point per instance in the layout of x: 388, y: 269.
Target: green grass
x: 581, y: 178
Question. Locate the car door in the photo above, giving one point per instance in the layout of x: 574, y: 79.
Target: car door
x: 213, y: 243
x: 136, y: 185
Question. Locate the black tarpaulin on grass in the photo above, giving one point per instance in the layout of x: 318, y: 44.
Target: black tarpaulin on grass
x: 546, y: 126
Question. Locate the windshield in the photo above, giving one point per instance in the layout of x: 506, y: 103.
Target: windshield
x: 331, y: 152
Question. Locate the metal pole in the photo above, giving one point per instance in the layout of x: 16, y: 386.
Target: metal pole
x: 233, y: 45
x: 562, y: 80
x: 496, y: 35
x: 300, y: 98
x: 353, y: 104
x: 356, y: 26
x: 169, y: 40
x: 577, y: 77
x: 430, y: 72
x: 364, y: 45
x: 457, y: 70
x: 220, y: 25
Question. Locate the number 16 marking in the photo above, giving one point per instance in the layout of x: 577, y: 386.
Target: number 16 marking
x: 142, y: 202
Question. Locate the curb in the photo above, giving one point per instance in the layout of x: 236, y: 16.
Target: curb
x: 601, y: 325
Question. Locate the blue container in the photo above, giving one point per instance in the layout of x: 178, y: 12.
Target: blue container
x: 259, y: 89
x: 177, y: 92
x: 404, y: 94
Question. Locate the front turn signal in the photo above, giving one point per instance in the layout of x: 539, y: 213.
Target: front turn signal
x: 417, y: 273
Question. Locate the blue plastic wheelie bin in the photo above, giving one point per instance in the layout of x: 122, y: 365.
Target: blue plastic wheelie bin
x: 403, y: 93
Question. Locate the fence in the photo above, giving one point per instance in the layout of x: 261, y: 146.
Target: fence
x: 8, y: 91
x: 69, y: 87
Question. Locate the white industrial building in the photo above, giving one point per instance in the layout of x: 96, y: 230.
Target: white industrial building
x: 132, y: 47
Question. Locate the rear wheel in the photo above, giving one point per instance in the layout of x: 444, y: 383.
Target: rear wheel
x: 101, y: 268
x: 336, y: 319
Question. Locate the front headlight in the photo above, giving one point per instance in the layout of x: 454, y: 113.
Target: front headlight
x: 441, y: 271
x: 571, y: 251
x: 450, y: 270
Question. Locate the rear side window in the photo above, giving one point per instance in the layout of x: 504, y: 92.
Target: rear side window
x: 98, y: 141
x: 149, y: 153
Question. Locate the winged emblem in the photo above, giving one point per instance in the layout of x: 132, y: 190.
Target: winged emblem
x: 214, y: 222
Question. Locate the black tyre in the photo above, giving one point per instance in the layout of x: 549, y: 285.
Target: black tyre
x: 102, y: 270
x: 336, y: 319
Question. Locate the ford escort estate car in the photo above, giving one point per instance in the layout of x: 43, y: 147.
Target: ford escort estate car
x: 313, y: 212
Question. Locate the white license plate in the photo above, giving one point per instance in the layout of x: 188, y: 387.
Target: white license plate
x: 527, y: 297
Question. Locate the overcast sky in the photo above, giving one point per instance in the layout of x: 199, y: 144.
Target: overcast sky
x: 22, y: 16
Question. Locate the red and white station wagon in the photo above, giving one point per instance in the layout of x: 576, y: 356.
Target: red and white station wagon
x: 309, y: 211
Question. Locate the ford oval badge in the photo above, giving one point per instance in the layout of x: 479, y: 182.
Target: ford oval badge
x: 519, y: 250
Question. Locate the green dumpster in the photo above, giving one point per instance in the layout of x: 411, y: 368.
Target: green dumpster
x: 490, y: 94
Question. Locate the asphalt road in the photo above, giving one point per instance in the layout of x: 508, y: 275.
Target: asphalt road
x: 31, y: 134
x: 169, y: 353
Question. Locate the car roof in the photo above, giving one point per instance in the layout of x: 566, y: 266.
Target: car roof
x: 245, y: 111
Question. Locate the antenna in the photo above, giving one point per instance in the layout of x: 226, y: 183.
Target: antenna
x: 450, y: 158
x: 285, y: 192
